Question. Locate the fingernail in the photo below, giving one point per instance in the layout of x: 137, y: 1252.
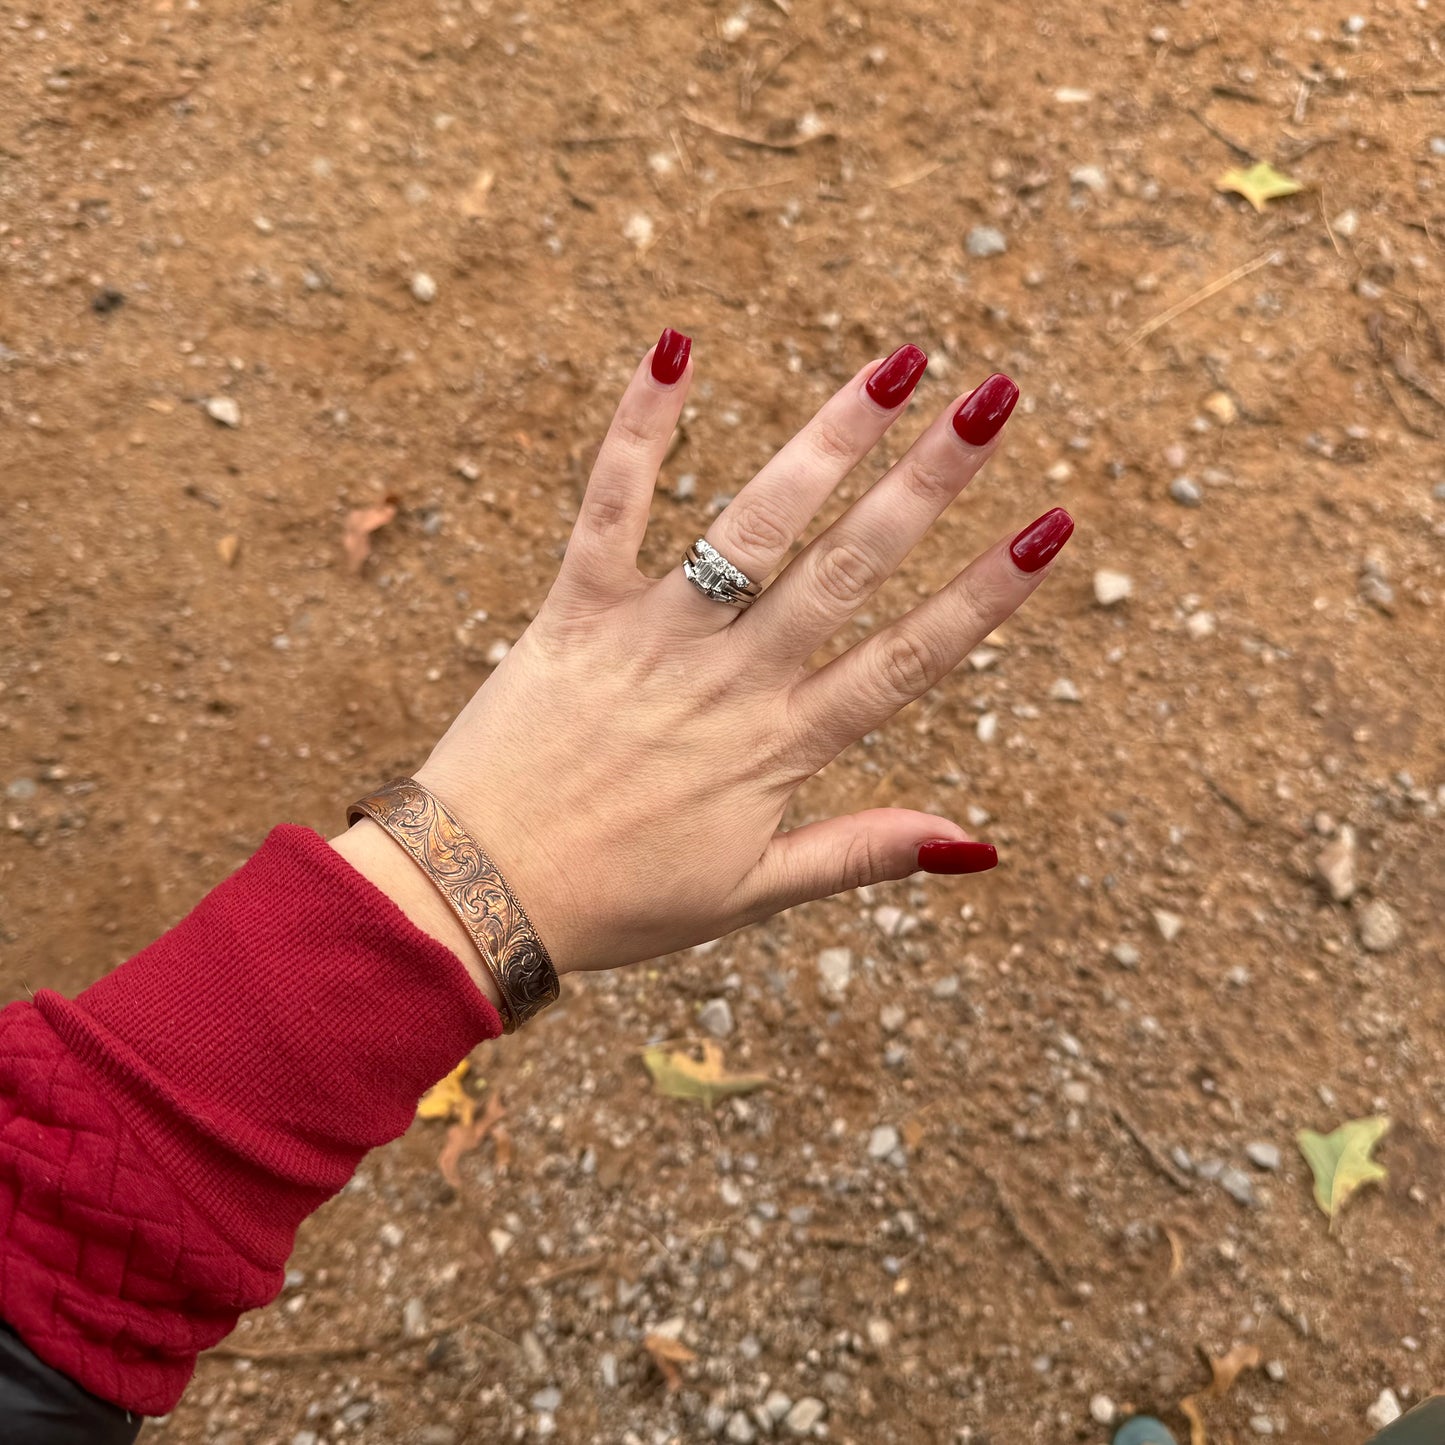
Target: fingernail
x: 943, y: 855
x: 981, y: 415
x: 669, y: 360
x: 892, y: 384
x: 1040, y: 542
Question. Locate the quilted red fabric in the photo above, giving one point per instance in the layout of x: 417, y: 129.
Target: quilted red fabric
x: 163, y: 1135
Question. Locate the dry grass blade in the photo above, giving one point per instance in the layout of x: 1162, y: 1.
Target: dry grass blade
x: 1203, y: 294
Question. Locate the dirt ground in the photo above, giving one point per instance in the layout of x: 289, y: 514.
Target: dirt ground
x: 208, y: 201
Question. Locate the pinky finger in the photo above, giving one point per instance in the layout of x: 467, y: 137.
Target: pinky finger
x: 868, y: 684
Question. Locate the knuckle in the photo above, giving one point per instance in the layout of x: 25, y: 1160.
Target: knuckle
x: 860, y: 864
x: 607, y: 506
x: 844, y: 574
x: 831, y: 440
x: 907, y: 667
x: 634, y: 430
x: 757, y: 528
x: 932, y: 479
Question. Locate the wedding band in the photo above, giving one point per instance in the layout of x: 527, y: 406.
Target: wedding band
x: 716, y: 578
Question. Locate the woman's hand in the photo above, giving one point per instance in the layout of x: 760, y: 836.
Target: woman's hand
x: 629, y: 762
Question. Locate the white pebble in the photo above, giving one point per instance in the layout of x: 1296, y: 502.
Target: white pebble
x: 639, y: 230
x: 1102, y: 1409
x: 497, y: 652
x: 987, y: 727
x: 1170, y: 925
x: 423, y: 287
x: 1112, y: 587
x: 1064, y: 691
x: 1385, y: 1411
x: 224, y: 409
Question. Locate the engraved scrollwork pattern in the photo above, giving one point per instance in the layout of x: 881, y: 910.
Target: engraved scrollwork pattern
x: 468, y: 878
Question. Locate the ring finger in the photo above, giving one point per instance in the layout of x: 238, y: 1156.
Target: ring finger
x: 756, y: 529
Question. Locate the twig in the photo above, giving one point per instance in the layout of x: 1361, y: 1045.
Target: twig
x: 285, y: 1354
x: 705, y: 214
x: 915, y: 176
x: 1230, y: 801
x: 761, y: 142
x: 1161, y: 1162
x: 1203, y: 294
x: 1242, y: 151
x: 1030, y: 1240
x: 1301, y: 101
x: 1329, y: 229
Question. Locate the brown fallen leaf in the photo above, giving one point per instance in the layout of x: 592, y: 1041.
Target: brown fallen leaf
x: 463, y: 1138
x: 667, y: 1354
x: 361, y: 522
x: 1225, y: 1369
x: 229, y: 548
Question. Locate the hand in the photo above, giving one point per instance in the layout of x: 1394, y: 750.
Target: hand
x: 629, y: 762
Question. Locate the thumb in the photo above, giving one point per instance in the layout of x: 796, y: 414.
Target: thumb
x: 837, y: 854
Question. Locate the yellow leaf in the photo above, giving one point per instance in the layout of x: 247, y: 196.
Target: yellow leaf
x: 1260, y: 183
x: 1340, y: 1161
x: 680, y: 1076
x: 1225, y: 1370
x: 448, y: 1099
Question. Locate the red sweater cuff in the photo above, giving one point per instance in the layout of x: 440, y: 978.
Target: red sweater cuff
x: 241, y: 1066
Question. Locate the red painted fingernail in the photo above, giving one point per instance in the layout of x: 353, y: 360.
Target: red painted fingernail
x: 981, y: 415
x: 892, y: 384
x: 669, y: 360
x: 943, y: 855
x: 1041, y: 541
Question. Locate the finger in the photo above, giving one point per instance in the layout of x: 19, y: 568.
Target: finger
x: 863, y: 688
x: 840, y: 569
x: 830, y: 857
x: 602, y: 551
x: 757, y: 528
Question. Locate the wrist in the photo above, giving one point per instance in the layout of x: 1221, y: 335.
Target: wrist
x: 368, y: 848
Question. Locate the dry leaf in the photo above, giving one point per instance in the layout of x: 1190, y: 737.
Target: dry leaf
x: 361, y: 522
x: 447, y: 1099
x: 680, y: 1076
x: 667, y: 1354
x: 1225, y: 1370
x: 1176, y: 1251
x: 229, y: 548
x: 463, y: 1138
x: 1259, y: 184
x: 1340, y: 1160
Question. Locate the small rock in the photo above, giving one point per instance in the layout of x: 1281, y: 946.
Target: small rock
x: 777, y: 1405
x: 436, y: 1435
x: 882, y: 1141
x: 423, y: 287
x: 946, y: 987
x: 1064, y: 690
x: 413, y: 1319
x: 1111, y: 587
x: 1200, y: 625
x: 1076, y: 1091
x: 880, y: 1334
x: 1336, y: 864
x: 22, y: 790
x: 892, y: 1017
x: 549, y: 1399
x: 1345, y: 224
x: 1170, y: 925
x: 1437, y: 145
x: 1275, y: 1370
x: 1060, y: 471
x: 740, y: 1430
x: 1379, y: 927
x: 804, y: 1415
x: 1222, y: 407
x: 639, y: 230
x: 501, y: 1241
x: 1072, y: 95
x: 1261, y: 1424
x: 987, y: 727
x: 390, y: 1235
x: 835, y: 969
x: 1125, y: 955
x: 730, y: 1194
x: 224, y: 409
x: 1102, y: 1410
x: 467, y: 469
x: 1263, y: 1155
x: 985, y: 241
x: 1185, y: 491
x: 1355, y: 24
x: 1092, y: 178
x: 685, y: 486
x: 1237, y: 1184
x: 716, y: 1018
x: 607, y: 1370
x: 497, y: 652
x: 1385, y: 1411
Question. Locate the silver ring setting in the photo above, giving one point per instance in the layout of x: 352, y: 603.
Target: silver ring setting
x: 716, y: 578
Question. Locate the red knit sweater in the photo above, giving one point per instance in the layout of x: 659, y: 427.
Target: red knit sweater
x: 163, y: 1135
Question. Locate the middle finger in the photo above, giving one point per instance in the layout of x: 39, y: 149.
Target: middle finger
x: 843, y: 566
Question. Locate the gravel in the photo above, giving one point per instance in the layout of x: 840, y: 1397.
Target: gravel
x: 835, y: 970
x: 1336, y: 865
x: 423, y: 287
x: 1185, y: 491
x: 1111, y: 588
x: 882, y: 1141
x: 715, y: 1017
x: 807, y: 1413
x: 985, y: 241
x: 1379, y: 927
x: 224, y: 409
x: 1263, y: 1155
x: 1385, y: 1411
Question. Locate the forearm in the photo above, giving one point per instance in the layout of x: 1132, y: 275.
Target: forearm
x: 163, y: 1135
